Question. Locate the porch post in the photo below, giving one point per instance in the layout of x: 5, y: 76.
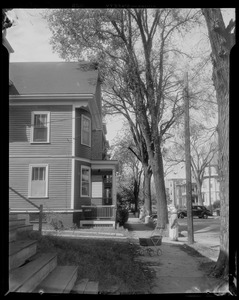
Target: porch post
x: 114, y: 202
x: 113, y: 187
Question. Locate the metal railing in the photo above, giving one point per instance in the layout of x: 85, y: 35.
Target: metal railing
x: 40, y: 207
x: 98, y: 211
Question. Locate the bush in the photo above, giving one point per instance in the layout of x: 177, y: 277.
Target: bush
x: 122, y: 215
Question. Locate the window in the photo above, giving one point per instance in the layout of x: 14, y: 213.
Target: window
x: 85, y: 131
x: 38, y: 181
x: 85, y: 181
x: 40, y: 127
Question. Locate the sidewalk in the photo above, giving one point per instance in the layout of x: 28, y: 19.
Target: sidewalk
x: 175, y: 270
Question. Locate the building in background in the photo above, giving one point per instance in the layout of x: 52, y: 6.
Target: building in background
x: 176, y: 186
x: 211, y: 185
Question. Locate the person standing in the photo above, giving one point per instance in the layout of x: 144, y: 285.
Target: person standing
x: 173, y: 225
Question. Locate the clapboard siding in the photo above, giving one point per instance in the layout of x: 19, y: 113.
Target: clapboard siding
x: 81, y: 150
x: 97, y: 144
x: 60, y: 131
x: 78, y: 199
x: 59, y: 182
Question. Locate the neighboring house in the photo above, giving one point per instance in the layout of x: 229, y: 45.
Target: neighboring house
x: 211, y: 185
x: 176, y: 184
x: 57, y: 144
x: 177, y: 192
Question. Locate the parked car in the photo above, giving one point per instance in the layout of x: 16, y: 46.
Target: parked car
x: 182, y: 213
x: 197, y: 210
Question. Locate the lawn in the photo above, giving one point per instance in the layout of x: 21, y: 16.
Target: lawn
x: 110, y: 262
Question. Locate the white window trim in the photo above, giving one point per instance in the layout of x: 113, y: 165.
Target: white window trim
x: 48, y: 127
x: 30, y: 180
x: 88, y: 168
x: 83, y: 116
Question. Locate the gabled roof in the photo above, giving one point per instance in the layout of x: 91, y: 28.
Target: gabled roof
x: 53, y: 78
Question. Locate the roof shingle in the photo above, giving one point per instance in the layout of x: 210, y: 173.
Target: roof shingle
x: 53, y: 77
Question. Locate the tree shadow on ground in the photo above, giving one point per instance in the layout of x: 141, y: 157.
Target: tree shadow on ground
x: 138, y: 227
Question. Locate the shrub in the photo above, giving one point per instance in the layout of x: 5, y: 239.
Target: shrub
x: 122, y: 215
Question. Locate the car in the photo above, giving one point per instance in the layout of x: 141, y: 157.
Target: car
x: 182, y: 213
x: 197, y: 211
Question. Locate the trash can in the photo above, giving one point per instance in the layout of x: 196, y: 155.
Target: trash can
x: 146, y: 220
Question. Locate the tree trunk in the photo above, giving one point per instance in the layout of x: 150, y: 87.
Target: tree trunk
x: 221, y: 42
x: 147, y: 190
x: 199, y: 192
x: 200, y: 200
x: 158, y: 174
x: 136, y: 194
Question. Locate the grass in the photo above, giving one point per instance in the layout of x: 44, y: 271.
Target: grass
x: 110, y: 262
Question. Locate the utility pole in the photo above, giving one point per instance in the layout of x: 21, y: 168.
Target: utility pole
x: 209, y: 186
x: 188, y: 163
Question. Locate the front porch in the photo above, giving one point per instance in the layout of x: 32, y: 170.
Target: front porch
x: 101, y: 211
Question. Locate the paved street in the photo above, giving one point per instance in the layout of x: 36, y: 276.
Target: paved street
x: 211, y: 224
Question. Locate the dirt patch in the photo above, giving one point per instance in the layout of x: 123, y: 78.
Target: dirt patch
x: 204, y: 263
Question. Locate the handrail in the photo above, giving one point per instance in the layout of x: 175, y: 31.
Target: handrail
x: 24, y: 197
x: 40, y: 207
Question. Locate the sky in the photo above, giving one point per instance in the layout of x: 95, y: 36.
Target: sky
x: 30, y: 38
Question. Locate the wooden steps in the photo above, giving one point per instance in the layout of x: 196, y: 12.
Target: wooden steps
x: 84, y: 286
x: 30, y: 271
x: 27, y: 277
x: 15, y: 230
x: 20, y: 251
x: 16, y: 222
x: 60, y: 280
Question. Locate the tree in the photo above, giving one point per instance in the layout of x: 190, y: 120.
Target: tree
x: 139, y: 43
x: 222, y: 39
x: 203, y: 149
x: 6, y: 22
x: 130, y: 169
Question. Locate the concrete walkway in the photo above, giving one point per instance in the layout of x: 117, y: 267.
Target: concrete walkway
x: 176, y: 271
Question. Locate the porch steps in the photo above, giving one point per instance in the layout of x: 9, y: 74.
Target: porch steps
x: 93, y: 223
x: 16, y: 222
x: 27, y: 277
x: 60, y: 280
x: 20, y: 251
x: 84, y: 286
x: 29, y: 270
x: 13, y: 216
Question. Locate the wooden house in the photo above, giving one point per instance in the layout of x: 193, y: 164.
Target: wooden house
x: 57, y: 143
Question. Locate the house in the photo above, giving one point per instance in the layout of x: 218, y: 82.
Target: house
x: 211, y: 184
x: 177, y: 192
x: 57, y: 143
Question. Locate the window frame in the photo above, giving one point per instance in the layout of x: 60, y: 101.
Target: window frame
x: 31, y: 166
x: 82, y: 120
x: 89, y: 169
x: 33, y: 127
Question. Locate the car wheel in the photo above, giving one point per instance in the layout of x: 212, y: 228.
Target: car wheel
x: 205, y: 216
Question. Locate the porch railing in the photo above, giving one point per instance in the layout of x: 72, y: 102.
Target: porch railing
x: 40, y: 207
x: 98, y: 211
